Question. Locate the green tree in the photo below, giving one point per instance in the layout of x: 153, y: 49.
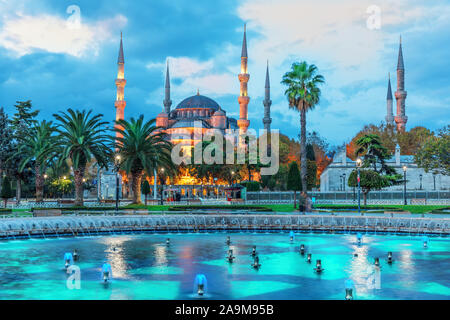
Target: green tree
x: 21, y: 123
x: 6, y: 143
x: 82, y: 138
x: 38, y: 146
x: 374, y: 156
x: 370, y: 180
x: 310, y: 155
x: 61, y: 186
x: 303, y: 95
x: 434, y: 155
x: 6, y: 192
x: 294, y: 182
x: 374, y: 153
x: 312, y: 175
x: 146, y: 189
x: 143, y: 147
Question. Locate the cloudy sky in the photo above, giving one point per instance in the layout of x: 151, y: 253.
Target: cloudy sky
x: 62, y: 54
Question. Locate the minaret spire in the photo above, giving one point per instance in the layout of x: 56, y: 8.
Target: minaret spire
x: 120, y: 84
x: 400, y: 94
x: 267, y: 120
x: 243, y: 98
x: 167, y: 102
x: 389, y: 114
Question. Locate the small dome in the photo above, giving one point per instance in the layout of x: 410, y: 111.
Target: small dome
x: 163, y: 115
x: 198, y: 101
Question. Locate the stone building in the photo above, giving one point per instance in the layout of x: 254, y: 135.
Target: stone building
x: 335, y: 176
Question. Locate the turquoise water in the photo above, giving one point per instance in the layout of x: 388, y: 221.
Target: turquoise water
x: 144, y: 267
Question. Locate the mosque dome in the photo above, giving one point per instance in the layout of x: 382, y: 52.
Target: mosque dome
x: 198, y: 101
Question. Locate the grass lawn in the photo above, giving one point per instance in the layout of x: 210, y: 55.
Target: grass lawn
x: 274, y: 207
x: 410, y: 208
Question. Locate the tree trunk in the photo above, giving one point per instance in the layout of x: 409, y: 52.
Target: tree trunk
x: 18, y: 190
x: 136, y: 187
x: 365, y: 198
x: 39, y: 184
x: 146, y: 199
x: 295, y: 199
x: 79, y: 175
x: 303, y: 163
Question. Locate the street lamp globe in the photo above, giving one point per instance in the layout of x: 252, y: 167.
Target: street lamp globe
x: 358, y: 162
x: 404, y: 168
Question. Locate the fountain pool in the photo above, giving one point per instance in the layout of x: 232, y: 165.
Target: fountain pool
x: 144, y: 267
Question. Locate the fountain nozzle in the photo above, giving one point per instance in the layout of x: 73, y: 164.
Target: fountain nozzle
x: 230, y: 256
x: 105, y: 276
x: 256, y: 263
x: 308, y: 259
x: 302, y: 249
x: 377, y: 262
x: 75, y: 255
x: 168, y: 242
x: 348, y: 294
x: 228, y: 242
x: 254, y: 251
x: 200, y: 289
x: 389, y: 257
x: 318, y: 267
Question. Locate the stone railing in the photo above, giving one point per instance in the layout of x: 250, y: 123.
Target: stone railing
x: 97, y: 225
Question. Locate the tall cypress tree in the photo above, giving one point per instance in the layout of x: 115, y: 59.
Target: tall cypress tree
x: 22, y: 121
x: 6, y: 146
x: 294, y: 181
x: 6, y: 192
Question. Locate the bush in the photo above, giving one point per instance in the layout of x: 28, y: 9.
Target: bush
x: 5, y: 210
x: 251, y: 185
x: 6, y: 192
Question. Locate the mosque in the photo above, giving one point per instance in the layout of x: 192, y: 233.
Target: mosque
x: 178, y: 123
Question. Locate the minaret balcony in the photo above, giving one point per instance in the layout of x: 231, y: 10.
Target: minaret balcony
x: 244, y: 77
x: 120, y: 104
x: 121, y: 82
x: 400, y: 94
x: 243, y: 100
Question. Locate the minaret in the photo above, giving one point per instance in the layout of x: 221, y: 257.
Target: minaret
x: 120, y: 84
x: 167, y: 102
x: 400, y: 94
x: 243, y: 98
x: 389, y: 114
x: 267, y: 120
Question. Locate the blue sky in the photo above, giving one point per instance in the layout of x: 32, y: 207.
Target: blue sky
x: 49, y: 56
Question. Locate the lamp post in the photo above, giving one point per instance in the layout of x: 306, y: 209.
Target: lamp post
x: 358, y: 167
x: 162, y: 181
x: 404, y: 185
x: 420, y: 178
x: 116, y: 167
x: 343, y: 184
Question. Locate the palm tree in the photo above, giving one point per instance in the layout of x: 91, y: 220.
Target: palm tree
x: 38, y: 146
x: 143, y: 147
x: 82, y: 138
x: 303, y: 95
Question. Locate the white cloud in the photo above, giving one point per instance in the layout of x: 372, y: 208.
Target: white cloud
x: 334, y: 36
x: 24, y: 34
